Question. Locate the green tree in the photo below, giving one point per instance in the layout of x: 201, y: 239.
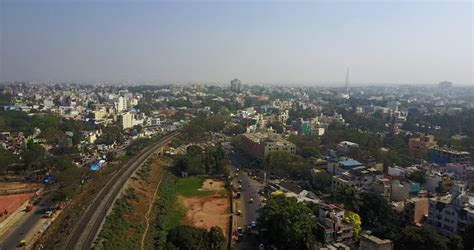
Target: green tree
x: 354, y: 219
x: 283, y: 163
x: 34, y: 156
x: 188, y: 237
x: 216, y: 238
x: 467, y: 239
x: 7, y: 158
x: 322, y: 182
x: 418, y: 176
x: 377, y: 213
x: 237, y: 129
x: 349, y: 196
x: 420, y: 238
x: 287, y: 224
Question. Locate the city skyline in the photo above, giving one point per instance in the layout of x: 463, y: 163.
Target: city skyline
x: 300, y: 43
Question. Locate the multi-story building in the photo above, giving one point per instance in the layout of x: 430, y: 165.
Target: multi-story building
x: 463, y: 171
x: 126, y: 120
x: 369, y: 242
x: 415, y: 210
x: 236, y: 86
x: 359, y: 177
x: 421, y: 143
x: 338, y: 166
x: 383, y: 187
x: 121, y: 104
x: 450, y: 214
x: 331, y: 226
x: 261, y: 144
x: 445, y: 155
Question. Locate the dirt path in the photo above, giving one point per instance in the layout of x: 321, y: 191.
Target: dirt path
x: 147, y: 223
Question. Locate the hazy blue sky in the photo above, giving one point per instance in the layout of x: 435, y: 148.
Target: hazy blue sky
x: 271, y: 42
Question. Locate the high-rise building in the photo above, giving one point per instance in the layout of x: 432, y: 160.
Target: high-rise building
x: 236, y: 85
x: 126, y: 120
x: 122, y: 104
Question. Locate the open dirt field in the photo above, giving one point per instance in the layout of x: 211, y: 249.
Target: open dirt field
x: 17, y: 186
x: 12, y: 202
x: 206, y: 212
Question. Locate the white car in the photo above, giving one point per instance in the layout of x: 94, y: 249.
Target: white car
x: 261, y: 247
x: 253, y: 224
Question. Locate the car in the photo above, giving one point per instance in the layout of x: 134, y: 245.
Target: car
x: 264, y: 199
x: 239, y: 181
x: 239, y: 212
x: 48, y: 213
x: 251, y: 200
x: 261, y: 247
x: 253, y: 224
x: 22, y: 243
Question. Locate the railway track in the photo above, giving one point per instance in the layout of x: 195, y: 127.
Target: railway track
x: 88, y: 226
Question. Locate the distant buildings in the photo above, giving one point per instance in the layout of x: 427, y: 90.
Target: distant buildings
x: 236, y: 86
x: 445, y: 85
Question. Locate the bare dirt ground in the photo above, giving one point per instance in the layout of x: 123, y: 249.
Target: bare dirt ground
x: 212, y: 185
x: 207, y: 211
x: 13, y: 202
x: 6, y: 187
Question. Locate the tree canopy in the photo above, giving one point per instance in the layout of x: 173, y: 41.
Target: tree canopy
x: 286, y: 224
x: 188, y: 237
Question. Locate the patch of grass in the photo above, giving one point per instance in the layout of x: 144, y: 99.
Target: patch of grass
x: 144, y: 171
x: 190, y: 187
x: 113, y: 231
x: 176, y: 215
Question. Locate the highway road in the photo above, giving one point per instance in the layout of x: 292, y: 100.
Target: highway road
x: 88, y: 226
x: 28, y: 226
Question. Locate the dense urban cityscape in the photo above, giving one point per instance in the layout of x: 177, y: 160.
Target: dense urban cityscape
x: 259, y: 166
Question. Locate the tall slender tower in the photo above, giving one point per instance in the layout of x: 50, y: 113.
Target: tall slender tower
x: 347, y: 81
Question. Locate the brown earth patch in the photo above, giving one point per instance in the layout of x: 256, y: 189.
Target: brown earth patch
x: 206, y: 212
x: 13, y: 202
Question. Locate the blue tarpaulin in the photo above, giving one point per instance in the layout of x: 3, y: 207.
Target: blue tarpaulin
x: 97, y: 166
x: 48, y: 179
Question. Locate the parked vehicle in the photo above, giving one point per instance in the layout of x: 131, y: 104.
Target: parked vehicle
x: 253, y: 224
x: 28, y: 208
x: 22, y: 243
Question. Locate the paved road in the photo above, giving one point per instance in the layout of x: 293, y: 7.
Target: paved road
x: 88, y: 226
x: 250, y: 189
x: 27, y: 227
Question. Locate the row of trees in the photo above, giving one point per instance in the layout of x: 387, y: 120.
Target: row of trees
x: 200, y: 126
x: 188, y: 237
x: 201, y: 161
